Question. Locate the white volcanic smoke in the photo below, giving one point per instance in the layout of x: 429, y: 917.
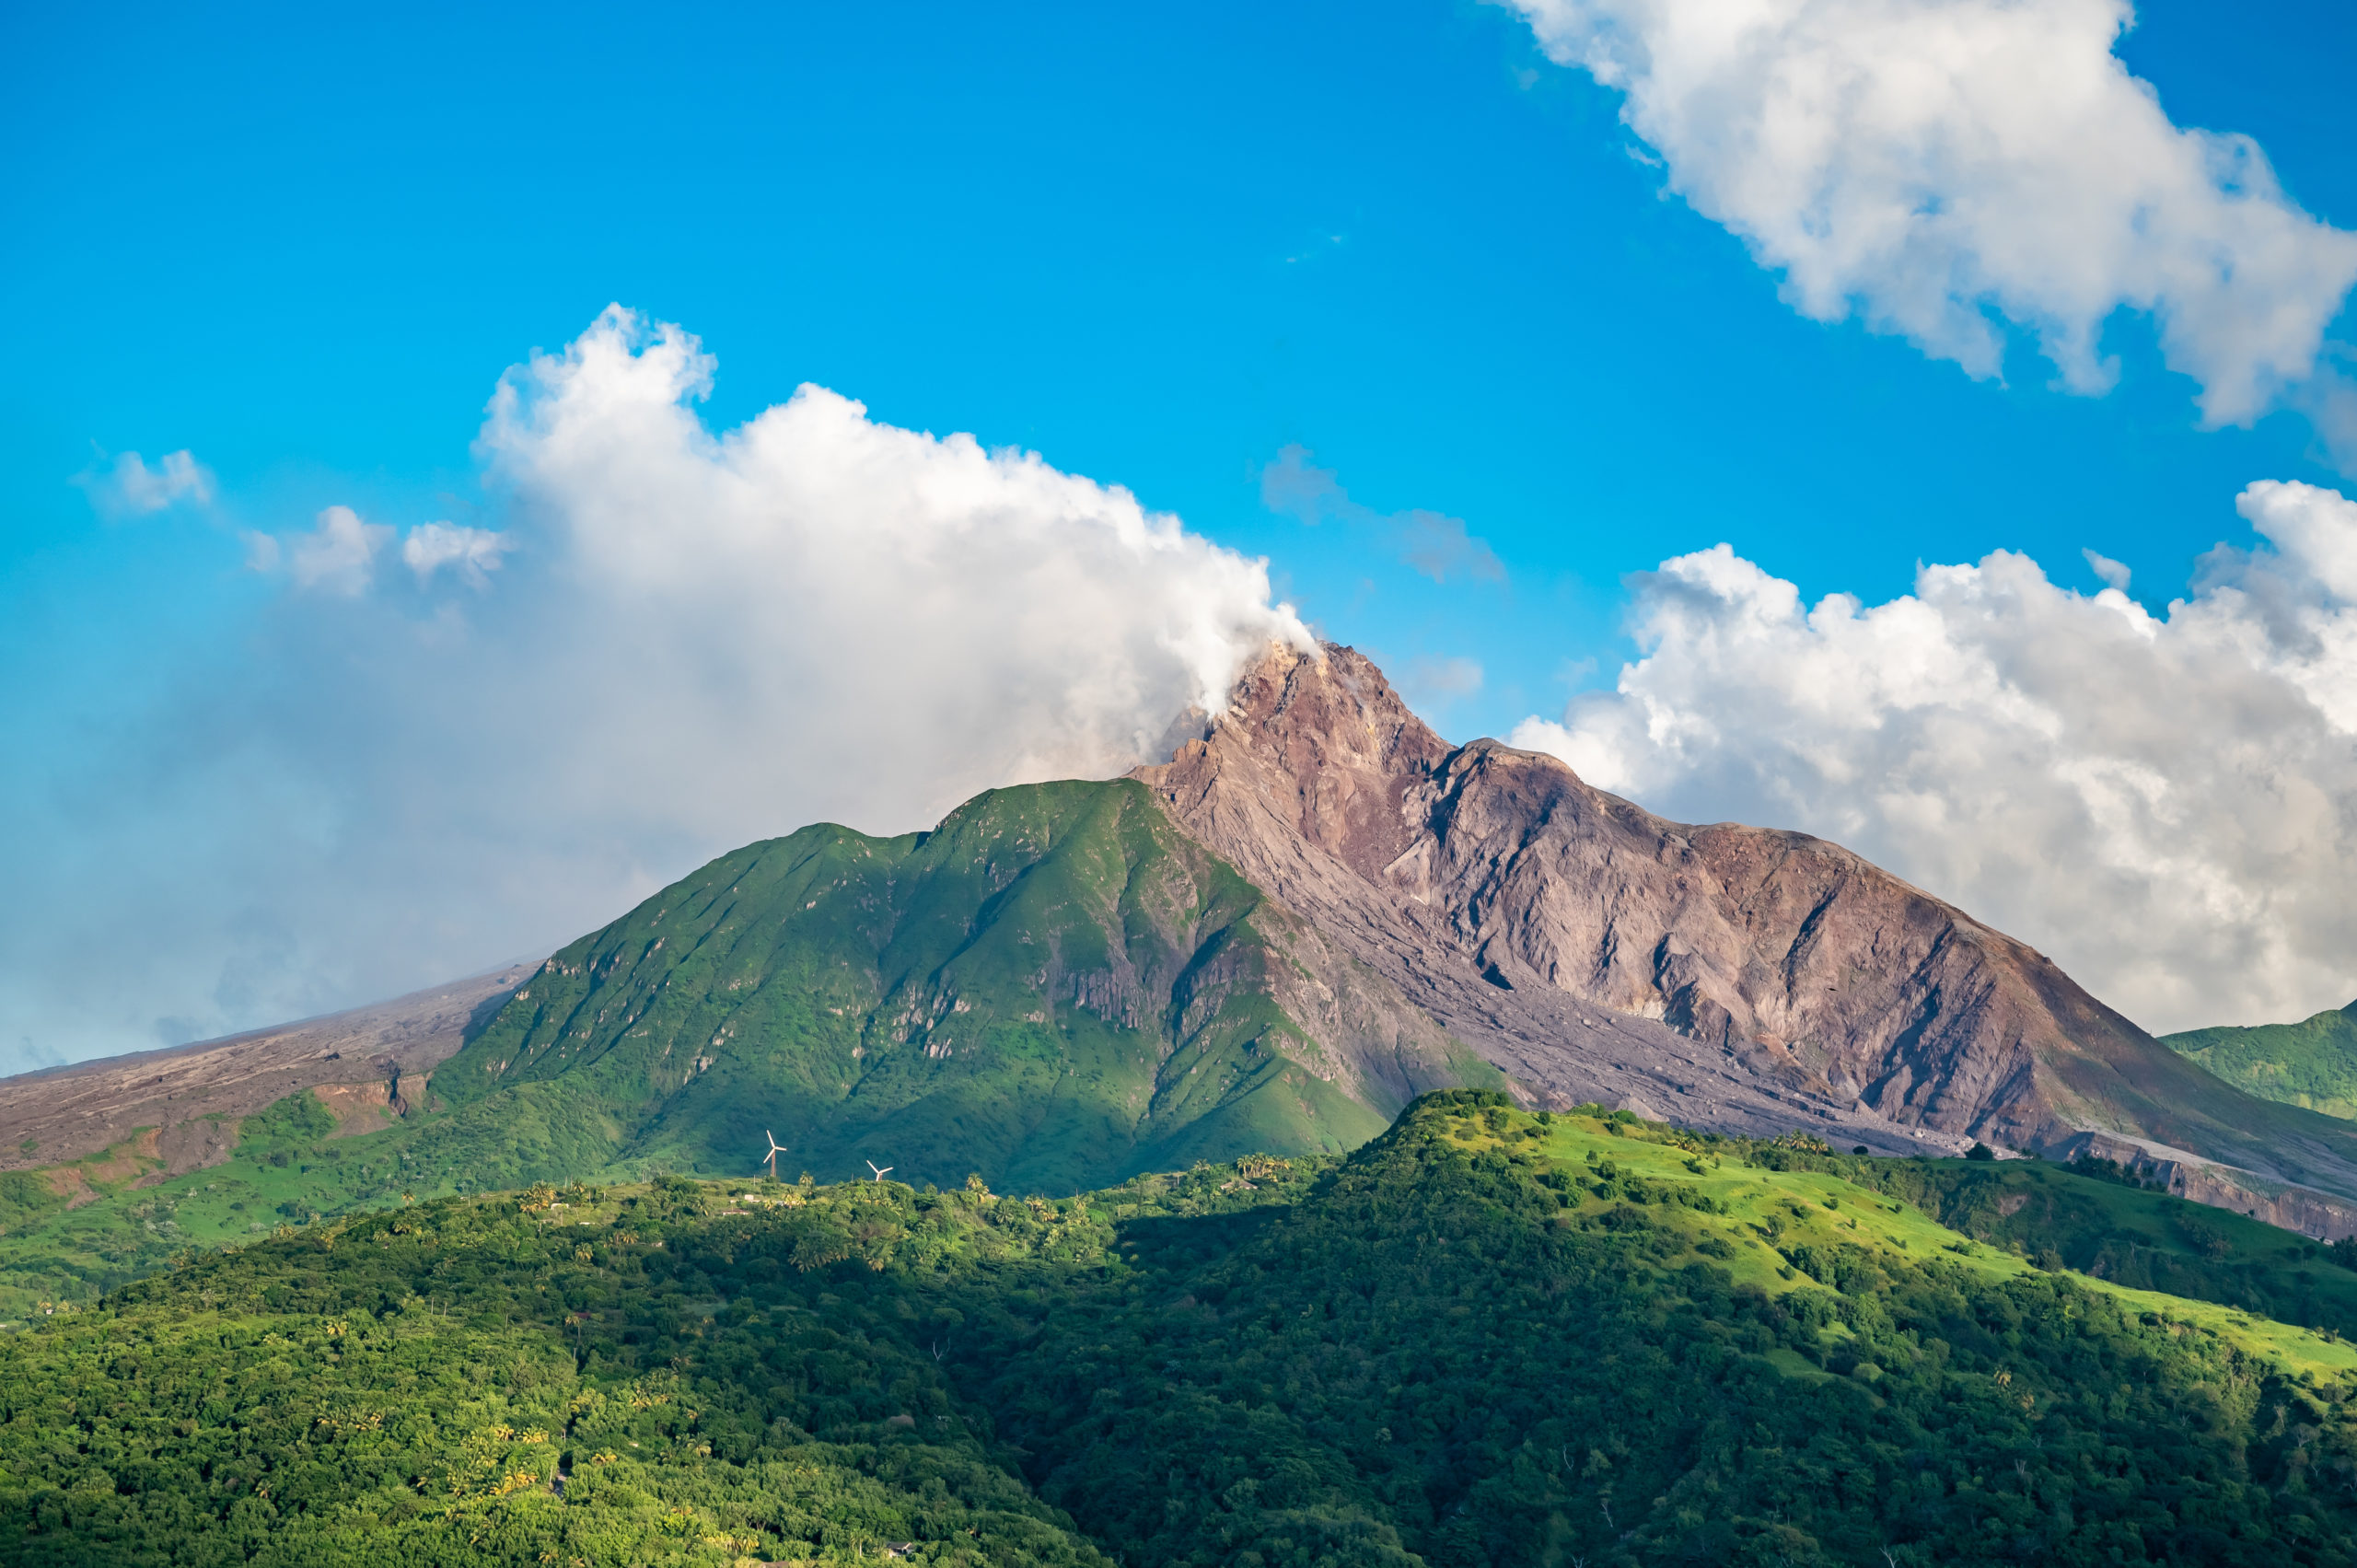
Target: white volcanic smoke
x: 675, y: 642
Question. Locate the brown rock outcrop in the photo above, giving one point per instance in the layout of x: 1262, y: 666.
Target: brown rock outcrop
x: 1496, y: 887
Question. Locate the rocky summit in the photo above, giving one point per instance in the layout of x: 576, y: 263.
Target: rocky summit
x: 1723, y: 976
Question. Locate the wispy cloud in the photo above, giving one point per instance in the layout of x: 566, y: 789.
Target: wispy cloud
x: 1436, y: 545
x: 339, y: 555
x: 127, y: 487
x: 1321, y: 245
x: 1444, y: 677
x: 2113, y: 573
x: 1950, y: 168
x: 1436, y: 684
x: 471, y: 553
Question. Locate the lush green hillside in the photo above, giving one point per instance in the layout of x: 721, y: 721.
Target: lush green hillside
x: 1053, y: 990
x: 127, y: 1218
x: 2099, y: 1220
x: 1484, y: 1339
x: 2113, y: 1227
x: 2312, y: 1063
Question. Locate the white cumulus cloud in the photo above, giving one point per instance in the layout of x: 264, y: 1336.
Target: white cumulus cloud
x: 127, y: 487
x: 1010, y: 619
x: 699, y: 638
x: 1945, y: 167
x: 2167, y: 805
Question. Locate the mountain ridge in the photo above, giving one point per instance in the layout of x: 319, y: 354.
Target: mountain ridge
x: 1316, y: 909
x: 1460, y: 870
x: 1050, y: 986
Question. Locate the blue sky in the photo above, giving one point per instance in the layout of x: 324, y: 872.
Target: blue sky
x: 1159, y: 247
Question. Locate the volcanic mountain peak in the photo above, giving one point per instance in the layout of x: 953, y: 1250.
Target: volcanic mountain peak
x: 1313, y: 746
x: 1315, y: 910
x: 1514, y: 901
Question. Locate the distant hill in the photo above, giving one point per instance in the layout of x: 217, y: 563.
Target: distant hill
x: 2312, y: 1063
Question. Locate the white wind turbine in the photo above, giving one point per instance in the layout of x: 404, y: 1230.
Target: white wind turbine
x: 777, y: 1149
x: 881, y: 1170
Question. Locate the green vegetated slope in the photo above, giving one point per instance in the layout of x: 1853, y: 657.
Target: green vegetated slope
x: 2099, y: 1219
x: 1053, y: 990
x: 2312, y: 1063
x: 1484, y: 1339
x: 127, y: 1218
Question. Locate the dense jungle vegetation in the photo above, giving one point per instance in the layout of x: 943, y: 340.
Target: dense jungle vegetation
x: 1484, y: 1339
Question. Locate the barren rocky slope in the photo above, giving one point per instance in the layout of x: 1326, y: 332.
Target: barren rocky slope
x: 192, y: 1095
x: 1543, y: 921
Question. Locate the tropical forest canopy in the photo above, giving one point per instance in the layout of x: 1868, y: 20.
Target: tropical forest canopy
x: 1486, y: 1338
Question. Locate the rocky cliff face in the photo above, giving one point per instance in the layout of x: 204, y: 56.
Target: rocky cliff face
x: 1496, y: 887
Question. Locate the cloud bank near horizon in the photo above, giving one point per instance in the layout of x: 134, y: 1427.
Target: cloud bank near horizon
x: 1955, y: 171
x: 676, y: 640
x: 2166, y: 805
